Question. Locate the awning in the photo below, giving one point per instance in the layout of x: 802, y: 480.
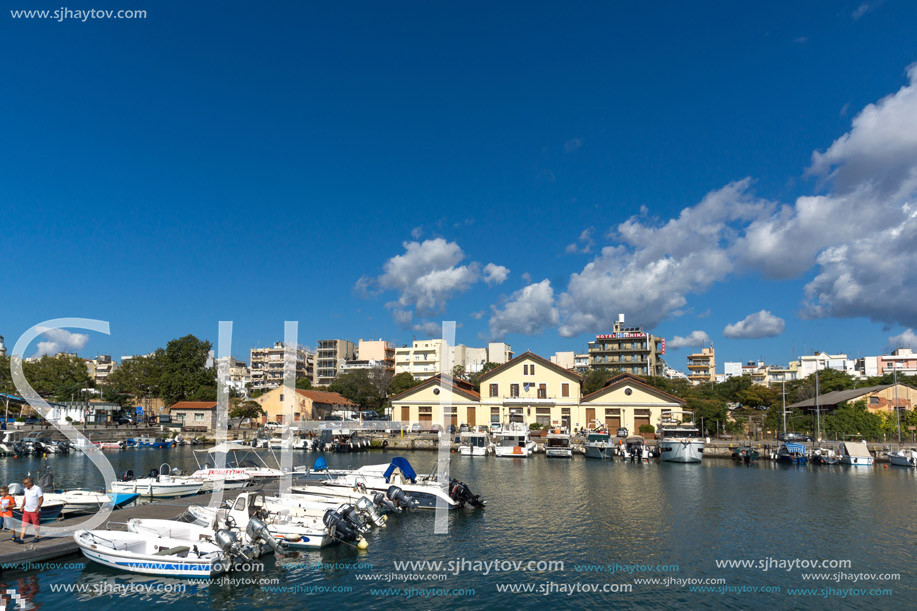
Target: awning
x: 795, y: 448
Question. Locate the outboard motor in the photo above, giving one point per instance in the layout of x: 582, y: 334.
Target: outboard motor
x: 258, y: 531
x: 461, y: 494
x: 338, y: 527
x: 16, y: 489
x: 127, y: 475
x: 20, y: 448
x: 228, y: 541
x: 64, y: 447
x: 350, y: 514
x: 154, y: 474
x: 397, y: 495
x: 380, y: 500
x: 368, y: 509
x: 38, y: 448
x: 46, y: 481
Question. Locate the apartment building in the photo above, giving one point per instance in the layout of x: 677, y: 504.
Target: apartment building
x: 499, y: 353
x: 904, y: 359
x: 328, y: 357
x: 702, y: 366
x: 379, y: 351
x: 628, y: 350
x: 267, y: 366
x: 564, y: 359
x: 423, y: 359
x: 807, y: 365
x: 472, y: 359
x: 2, y: 347
x: 100, y: 368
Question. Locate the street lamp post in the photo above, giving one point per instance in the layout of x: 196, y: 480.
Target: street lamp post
x: 897, y: 410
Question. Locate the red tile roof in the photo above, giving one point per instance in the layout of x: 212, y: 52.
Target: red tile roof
x: 194, y: 405
x: 323, y: 396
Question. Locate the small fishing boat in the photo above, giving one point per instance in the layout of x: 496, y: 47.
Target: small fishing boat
x: 792, y: 453
x: 824, y: 456
x: 745, y: 454
x: 903, y: 458
x: 855, y: 453
x: 51, y: 509
x: 111, y: 445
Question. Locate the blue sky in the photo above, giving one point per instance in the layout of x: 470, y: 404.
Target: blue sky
x: 358, y: 168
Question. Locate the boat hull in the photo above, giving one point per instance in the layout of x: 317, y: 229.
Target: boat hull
x: 599, y: 451
x: 559, y: 452
x: 210, y: 565
x: 681, y: 451
x: 857, y: 461
x: 157, y: 490
x: 902, y: 461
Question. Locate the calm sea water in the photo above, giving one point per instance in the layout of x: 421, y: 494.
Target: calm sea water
x: 612, y: 525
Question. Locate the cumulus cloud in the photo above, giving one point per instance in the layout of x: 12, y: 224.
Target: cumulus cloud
x: 694, y: 339
x: 417, y: 232
x: 755, y: 326
x: 864, y: 8
x: 528, y: 311
x: 907, y: 339
x: 429, y: 328
x: 495, y: 274
x: 652, y: 268
x: 61, y: 340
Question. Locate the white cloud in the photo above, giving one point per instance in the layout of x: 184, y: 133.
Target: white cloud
x: 429, y: 328
x: 906, y: 339
x: 585, y: 242
x: 428, y: 274
x: 755, y: 326
x: 694, y: 339
x: 572, y: 145
x: 402, y: 317
x: 528, y: 311
x: 417, y: 232
x: 652, y: 269
x: 864, y: 8
x: 495, y: 274
x: 478, y: 315
x: 61, y: 340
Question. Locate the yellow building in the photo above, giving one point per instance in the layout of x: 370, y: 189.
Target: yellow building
x: 628, y: 401
x: 702, y: 366
x: 427, y: 403
x: 307, y: 405
x: 531, y: 389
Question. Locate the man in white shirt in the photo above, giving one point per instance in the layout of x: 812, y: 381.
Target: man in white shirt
x: 31, y: 508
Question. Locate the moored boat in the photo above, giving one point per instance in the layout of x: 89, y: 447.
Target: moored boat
x: 513, y: 441
x: 792, y: 453
x: 557, y: 444
x: 855, y: 453
x: 598, y: 444
x: 903, y: 458
x: 680, y: 441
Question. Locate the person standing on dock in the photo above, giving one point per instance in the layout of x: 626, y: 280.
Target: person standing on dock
x: 31, y: 509
x: 7, y: 503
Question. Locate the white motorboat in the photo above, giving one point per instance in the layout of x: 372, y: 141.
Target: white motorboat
x: 10, y: 439
x: 855, y: 453
x: 474, y: 443
x: 426, y: 492
x: 251, y: 532
x: 513, y: 441
x: 279, y: 443
x: 680, y: 441
x: 634, y: 449
x: 294, y: 532
x: 598, y: 444
x: 159, y: 484
x: 111, y: 445
x: 161, y: 556
x: 232, y: 455
x: 903, y: 458
x: 557, y: 444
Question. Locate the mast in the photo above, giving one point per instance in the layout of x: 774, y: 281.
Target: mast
x: 783, y: 395
x: 897, y: 411
x: 817, y: 410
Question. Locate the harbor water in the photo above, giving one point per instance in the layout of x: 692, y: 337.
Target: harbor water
x: 574, y: 533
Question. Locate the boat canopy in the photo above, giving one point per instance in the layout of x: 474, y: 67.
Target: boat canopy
x: 857, y: 449
x: 320, y: 464
x: 402, y: 463
x: 795, y: 448
x: 227, y: 446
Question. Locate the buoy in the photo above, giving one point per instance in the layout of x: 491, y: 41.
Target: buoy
x: 885, y: 466
x: 362, y: 544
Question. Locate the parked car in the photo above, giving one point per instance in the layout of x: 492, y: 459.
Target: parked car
x: 793, y: 437
x: 122, y: 420
x: 436, y: 428
x: 369, y: 415
x: 416, y: 428
x: 272, y: 425
x: 495, y: 428
x: 464, y: 428
x: 623, y: 432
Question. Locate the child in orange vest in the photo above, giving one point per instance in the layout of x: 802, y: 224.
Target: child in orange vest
x: 7, y: 503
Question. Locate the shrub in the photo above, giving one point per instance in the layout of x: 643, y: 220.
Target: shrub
x: 647, y: 428
x: 535, y: 427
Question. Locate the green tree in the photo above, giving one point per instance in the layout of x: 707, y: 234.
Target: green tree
x: 853, y: 419
x: 359, y: 388
x: 58, y: 377
x: 458, y: 372
x: 185, y: 375
x: 304, y: 383
x: 6, y: 378
x: 402, y: 382
x: 246, y: 409
x: 595, y: 380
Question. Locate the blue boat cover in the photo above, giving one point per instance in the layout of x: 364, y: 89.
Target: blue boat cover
x: 795, y: 447
x: 402, y: 463
x: 320, y: 464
